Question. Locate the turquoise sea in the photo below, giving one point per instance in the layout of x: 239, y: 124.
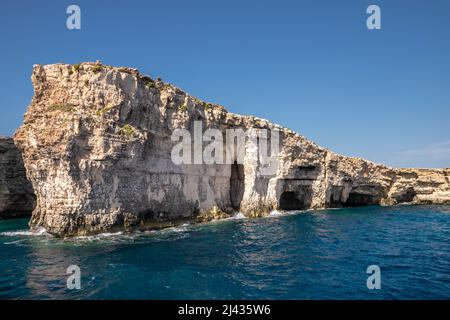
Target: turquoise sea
x: 298, y: 255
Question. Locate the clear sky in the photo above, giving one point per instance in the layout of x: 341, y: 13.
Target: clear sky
x: 312, y: 65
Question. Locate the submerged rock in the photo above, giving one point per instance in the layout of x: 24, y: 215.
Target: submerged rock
x: 96, y: 143
x: 16, y: 194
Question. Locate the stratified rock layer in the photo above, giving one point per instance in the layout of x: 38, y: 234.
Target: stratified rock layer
x: 96, y: 143
x: 16, y: 193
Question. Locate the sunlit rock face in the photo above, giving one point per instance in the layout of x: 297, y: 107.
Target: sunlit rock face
x: 16, y: 194
x: 96, y: 143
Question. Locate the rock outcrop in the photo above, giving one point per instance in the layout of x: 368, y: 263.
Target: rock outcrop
x: 16, y: 194
x: 96, y: 143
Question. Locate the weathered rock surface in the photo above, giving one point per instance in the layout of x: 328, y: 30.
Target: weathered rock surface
x: 16, y: 194
x: 96, y: 143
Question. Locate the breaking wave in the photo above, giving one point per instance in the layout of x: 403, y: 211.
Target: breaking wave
x: 239, y: 215
x: 25, y: 233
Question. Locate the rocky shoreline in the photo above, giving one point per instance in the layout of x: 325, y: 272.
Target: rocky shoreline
x: 96, y: 146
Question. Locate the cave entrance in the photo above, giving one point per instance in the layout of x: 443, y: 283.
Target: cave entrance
x: 359, y: 199
x: 291, y: 200
x: 407, y: 196
x: 236, y: 185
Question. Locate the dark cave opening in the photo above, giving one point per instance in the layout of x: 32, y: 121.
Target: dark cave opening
x: 407, y: 196
x: 236, y: 185
x: 359, y: 199
x: 295, y: 200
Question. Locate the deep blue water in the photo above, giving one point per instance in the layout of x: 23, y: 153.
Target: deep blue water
x: 307, y: 255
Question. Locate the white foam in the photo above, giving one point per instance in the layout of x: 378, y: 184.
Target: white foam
x: 239, y: 215
x: 276, y: 213
x: 97, y: 236
x: 15, y: 242
x: 25, y: 233
x: 176, y: 229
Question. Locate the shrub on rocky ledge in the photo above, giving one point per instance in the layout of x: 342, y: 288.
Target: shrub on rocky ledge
x: 183, y: 107
x: 97, y: 68
x: 104, y: 110
x: 150, y: 84
x: 64, y: 107
x: 127, y: 131
x: 76, y: 67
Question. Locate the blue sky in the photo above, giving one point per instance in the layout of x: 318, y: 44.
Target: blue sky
x: 312, y: 66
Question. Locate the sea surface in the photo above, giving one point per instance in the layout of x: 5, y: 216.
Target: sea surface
x: 298, y: 255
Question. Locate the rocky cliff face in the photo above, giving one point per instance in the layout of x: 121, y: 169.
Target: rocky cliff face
x: 96, y: 143
x: 16, y: 193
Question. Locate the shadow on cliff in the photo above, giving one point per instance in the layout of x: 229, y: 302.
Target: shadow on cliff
x: 17, y: 196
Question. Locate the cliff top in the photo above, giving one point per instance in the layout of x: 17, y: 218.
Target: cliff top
x: 69, y: 86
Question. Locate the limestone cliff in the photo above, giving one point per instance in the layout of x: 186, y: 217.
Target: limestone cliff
x: 96, y: 143
x: 16, y: 194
